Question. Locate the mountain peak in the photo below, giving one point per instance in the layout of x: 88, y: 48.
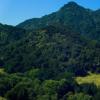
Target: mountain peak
x: 71, y: 4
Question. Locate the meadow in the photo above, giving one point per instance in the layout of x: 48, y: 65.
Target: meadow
x: 91, y: 78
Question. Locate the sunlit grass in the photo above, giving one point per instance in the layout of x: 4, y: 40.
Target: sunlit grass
x: 2, y: 70
x: 91, y: 78
x: 1, y: 98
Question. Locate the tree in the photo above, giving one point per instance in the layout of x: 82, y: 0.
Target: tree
x: 79, y: 96
x: 22, y: 91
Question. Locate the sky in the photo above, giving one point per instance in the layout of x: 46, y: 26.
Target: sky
x: 13, y: 12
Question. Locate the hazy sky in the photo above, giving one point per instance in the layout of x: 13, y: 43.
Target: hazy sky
x: 15, y: 11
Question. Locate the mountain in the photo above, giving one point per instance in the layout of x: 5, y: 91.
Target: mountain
x: 58, y: 42
x: 53, y: 42
x: 71, y: 15
x: 42, y: 58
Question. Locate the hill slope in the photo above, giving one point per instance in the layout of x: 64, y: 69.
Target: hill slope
x: 9, y: 34
x: 72, y: 16
x: 52, y: 48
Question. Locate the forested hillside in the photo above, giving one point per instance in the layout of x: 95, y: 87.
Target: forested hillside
x: 78, y: 19
x: 52, y: 48
x: 41, y: 57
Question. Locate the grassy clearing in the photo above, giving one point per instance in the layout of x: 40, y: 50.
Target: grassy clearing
x: 2, y: 70
x: 91, y: 78
x: 1, y: 98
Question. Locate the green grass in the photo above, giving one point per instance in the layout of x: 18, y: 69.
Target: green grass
x: 91, y: 78
x: 1, y: 98
x: 2, y: 70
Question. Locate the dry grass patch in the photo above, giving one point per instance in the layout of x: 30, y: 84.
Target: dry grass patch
x: 91, y: 78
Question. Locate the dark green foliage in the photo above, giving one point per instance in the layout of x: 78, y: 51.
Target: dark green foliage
x: 27, y: 86
x: 52, y: 50
x: 79, y: 96
x: 90, y: 89
x: 7, y: 82
x: 97, y: 95
x: 22, y: 91
x: 9, y: 34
